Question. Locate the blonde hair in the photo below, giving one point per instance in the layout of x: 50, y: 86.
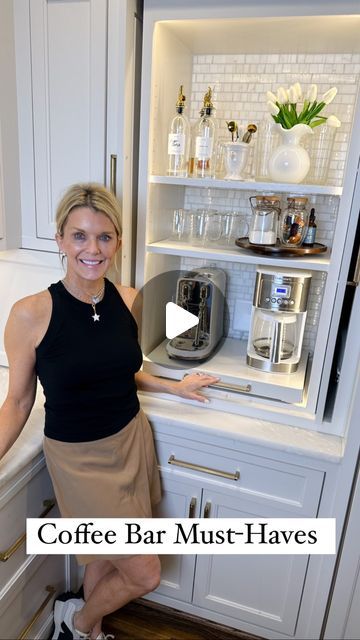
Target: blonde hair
x: 92, y: 195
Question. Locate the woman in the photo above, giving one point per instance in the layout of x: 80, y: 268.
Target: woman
x: 79, y: 338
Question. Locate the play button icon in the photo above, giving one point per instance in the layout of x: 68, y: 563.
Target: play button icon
x: 178, y: 320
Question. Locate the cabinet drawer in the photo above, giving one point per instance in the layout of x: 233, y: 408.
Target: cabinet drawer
x: 32, y: 593
x: 261, y: 479
x: 30, y: 501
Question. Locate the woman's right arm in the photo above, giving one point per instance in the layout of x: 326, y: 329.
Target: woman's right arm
x: 20, y: 349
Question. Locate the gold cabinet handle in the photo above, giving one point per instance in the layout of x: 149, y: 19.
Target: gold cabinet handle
x: 207, y: 510
x: 199, y: 467
x: 192, y: 508
x: 5, y: 555
x: 51, y: 591
x: 223, y: 386
x: 113, y: 163
x: 234, y: 388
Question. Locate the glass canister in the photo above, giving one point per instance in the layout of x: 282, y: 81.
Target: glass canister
x: 264, y: 220
x: 294, y: 222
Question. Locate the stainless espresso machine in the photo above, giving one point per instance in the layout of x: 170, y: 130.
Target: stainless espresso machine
x: 278, y: 319
x: 202, y: 293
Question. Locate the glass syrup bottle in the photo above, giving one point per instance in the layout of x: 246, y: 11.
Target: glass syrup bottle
x: 179, y: 140
x: 204, y: 137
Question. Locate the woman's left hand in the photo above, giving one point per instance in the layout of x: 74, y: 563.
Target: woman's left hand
x: 190, y: 385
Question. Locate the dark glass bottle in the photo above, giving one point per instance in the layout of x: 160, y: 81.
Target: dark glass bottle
x: 309, y: 239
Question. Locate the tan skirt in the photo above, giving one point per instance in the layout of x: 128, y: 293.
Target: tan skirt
x: 115, y: 477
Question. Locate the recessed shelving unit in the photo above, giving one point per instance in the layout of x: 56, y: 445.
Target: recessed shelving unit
x: 241, y: 56
x: 248, y: 185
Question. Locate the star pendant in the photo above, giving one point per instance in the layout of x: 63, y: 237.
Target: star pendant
x: 96, y: 317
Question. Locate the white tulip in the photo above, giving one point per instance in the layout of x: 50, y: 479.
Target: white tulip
x: 271, y: 96
x: 293, y: 95
x: 273, y: 108
x: 329, y: 95
x: 297, y: 87
x: 282, y: 96
x: 333, y: 121
x: 312, y: 93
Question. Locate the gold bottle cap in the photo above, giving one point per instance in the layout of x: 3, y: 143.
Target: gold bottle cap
x: 207, y: 99
x: 181, y: 98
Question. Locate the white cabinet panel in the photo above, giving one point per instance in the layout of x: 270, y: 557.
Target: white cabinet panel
x: 77, y: 100
x: 181, y: 499
x: 31, y: 501
x: 247, y: 587
x: 28, y: 583
x: 36, y: 587
x: 68, y: 70
x: 2, y: 208
x: 261, y: 480
x: 255, y: 592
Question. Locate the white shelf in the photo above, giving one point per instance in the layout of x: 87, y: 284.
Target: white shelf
x: 318, y: 262
x: 248, y: 185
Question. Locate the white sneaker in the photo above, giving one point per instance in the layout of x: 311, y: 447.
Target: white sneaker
x: 64, y: 620
x: 103, y: 636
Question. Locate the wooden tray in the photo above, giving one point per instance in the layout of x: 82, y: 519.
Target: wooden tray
x: 280, y: 248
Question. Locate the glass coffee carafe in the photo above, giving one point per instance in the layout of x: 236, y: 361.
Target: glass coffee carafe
x: 274, y: 335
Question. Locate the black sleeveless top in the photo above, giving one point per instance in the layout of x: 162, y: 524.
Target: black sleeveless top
x: 87, y: 368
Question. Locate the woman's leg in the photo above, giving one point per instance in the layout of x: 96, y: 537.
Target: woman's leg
x: 94, y: 572
x: 130, y: 578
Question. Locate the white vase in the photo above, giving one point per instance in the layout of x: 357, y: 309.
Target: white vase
x: 290, y: 162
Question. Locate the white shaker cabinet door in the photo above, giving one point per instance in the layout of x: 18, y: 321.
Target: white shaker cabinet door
x: 181, y: 499
x: 264, y: 590
x: 67, y: 64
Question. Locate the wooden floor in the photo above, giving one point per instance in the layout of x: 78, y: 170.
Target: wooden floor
x: 141, y: 620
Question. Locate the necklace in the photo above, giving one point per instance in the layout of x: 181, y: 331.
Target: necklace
x: 94, y: 299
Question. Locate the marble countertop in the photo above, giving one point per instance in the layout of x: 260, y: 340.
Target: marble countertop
x: 194, y: 421
x: 29, y: 443
x: 237, y: 430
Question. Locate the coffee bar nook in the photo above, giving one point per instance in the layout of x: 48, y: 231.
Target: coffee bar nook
x: 229, y: 132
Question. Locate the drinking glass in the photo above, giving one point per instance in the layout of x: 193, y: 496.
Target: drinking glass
x: 198, y: 226
x: 234, y: 226
x: 213, y: 227
x: 180, y: 225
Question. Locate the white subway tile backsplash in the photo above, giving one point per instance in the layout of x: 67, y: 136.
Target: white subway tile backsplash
x: 240, y: 83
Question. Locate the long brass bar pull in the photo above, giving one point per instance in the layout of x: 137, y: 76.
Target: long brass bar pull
x: 113, y: 163
x: 223, y: 386
x: 5, y: 555
x: 199, y: 467
x: 51, y: 592
x: 234, y: 388
x: 192, y: 508
x: 207, y: 510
